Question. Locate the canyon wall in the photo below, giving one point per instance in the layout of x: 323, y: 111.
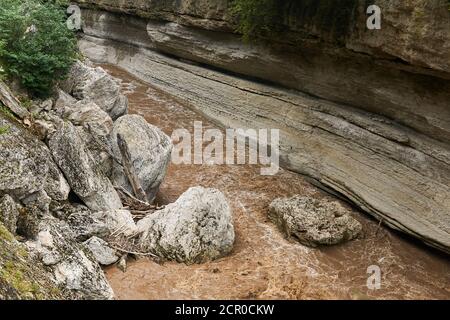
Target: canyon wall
x: 365, y: 113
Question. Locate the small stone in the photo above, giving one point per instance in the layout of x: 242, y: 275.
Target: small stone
x: 122, y: 264
x: 101, y: 251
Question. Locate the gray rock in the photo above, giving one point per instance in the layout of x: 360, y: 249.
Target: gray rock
x: 63, y: 210
x: 9, y: 213
x: 101, y: 251
x: 94, y: 127
x: 26, y: 164
x: 47, y: 105
x: 28, y: 222
x: 80, y: 169
x: 72, y: 264
x: 119, y: 222
x: 43, y: 128
x: 23, y: 166
x: 101, y: 224
x: 40, y: 106
x: 120, y: 107
x: 314, y: 222
x: 98, y: 143
x: 88, y: 114
x: 150, y: 151
x: 63, y: 100
x: 39, y: 200
x: 56, y: 185
x: 84, y: 225
x: 196, y: 228
x: 94, y: 84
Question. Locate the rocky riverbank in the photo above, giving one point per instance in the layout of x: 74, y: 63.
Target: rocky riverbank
x: 68, y: 195
x: 372, y: 126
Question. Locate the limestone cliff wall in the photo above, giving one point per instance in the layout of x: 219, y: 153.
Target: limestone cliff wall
x: 375, y: 123
x: 401, y: 71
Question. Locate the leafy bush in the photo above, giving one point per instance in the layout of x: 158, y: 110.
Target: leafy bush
x: 35, y: 44
x: 257, y: 18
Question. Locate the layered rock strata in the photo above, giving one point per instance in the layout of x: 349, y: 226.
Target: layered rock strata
x: 374, y: 125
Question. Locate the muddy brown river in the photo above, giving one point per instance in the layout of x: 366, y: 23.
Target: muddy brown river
x: 263, y: 264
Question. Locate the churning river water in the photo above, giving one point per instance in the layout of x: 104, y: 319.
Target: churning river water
x: 263, y: 264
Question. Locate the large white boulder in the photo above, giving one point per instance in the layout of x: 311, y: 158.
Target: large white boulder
x: 196, y: 228
x: 150, y: 150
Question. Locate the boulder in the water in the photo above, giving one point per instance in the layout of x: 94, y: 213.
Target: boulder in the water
x: 314, y: 222
x: 196, y: 228
x: 150, y: 151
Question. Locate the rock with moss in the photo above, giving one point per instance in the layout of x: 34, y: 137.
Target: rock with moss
x: 9, y: 213
x: 314, y: 222
x: 22, y: 277
x: 196, y: 228
x: 72, y: 264
x: 26, y: 165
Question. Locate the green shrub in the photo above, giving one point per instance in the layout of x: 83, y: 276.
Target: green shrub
x: 257, y: 18
x: 35, y: 44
